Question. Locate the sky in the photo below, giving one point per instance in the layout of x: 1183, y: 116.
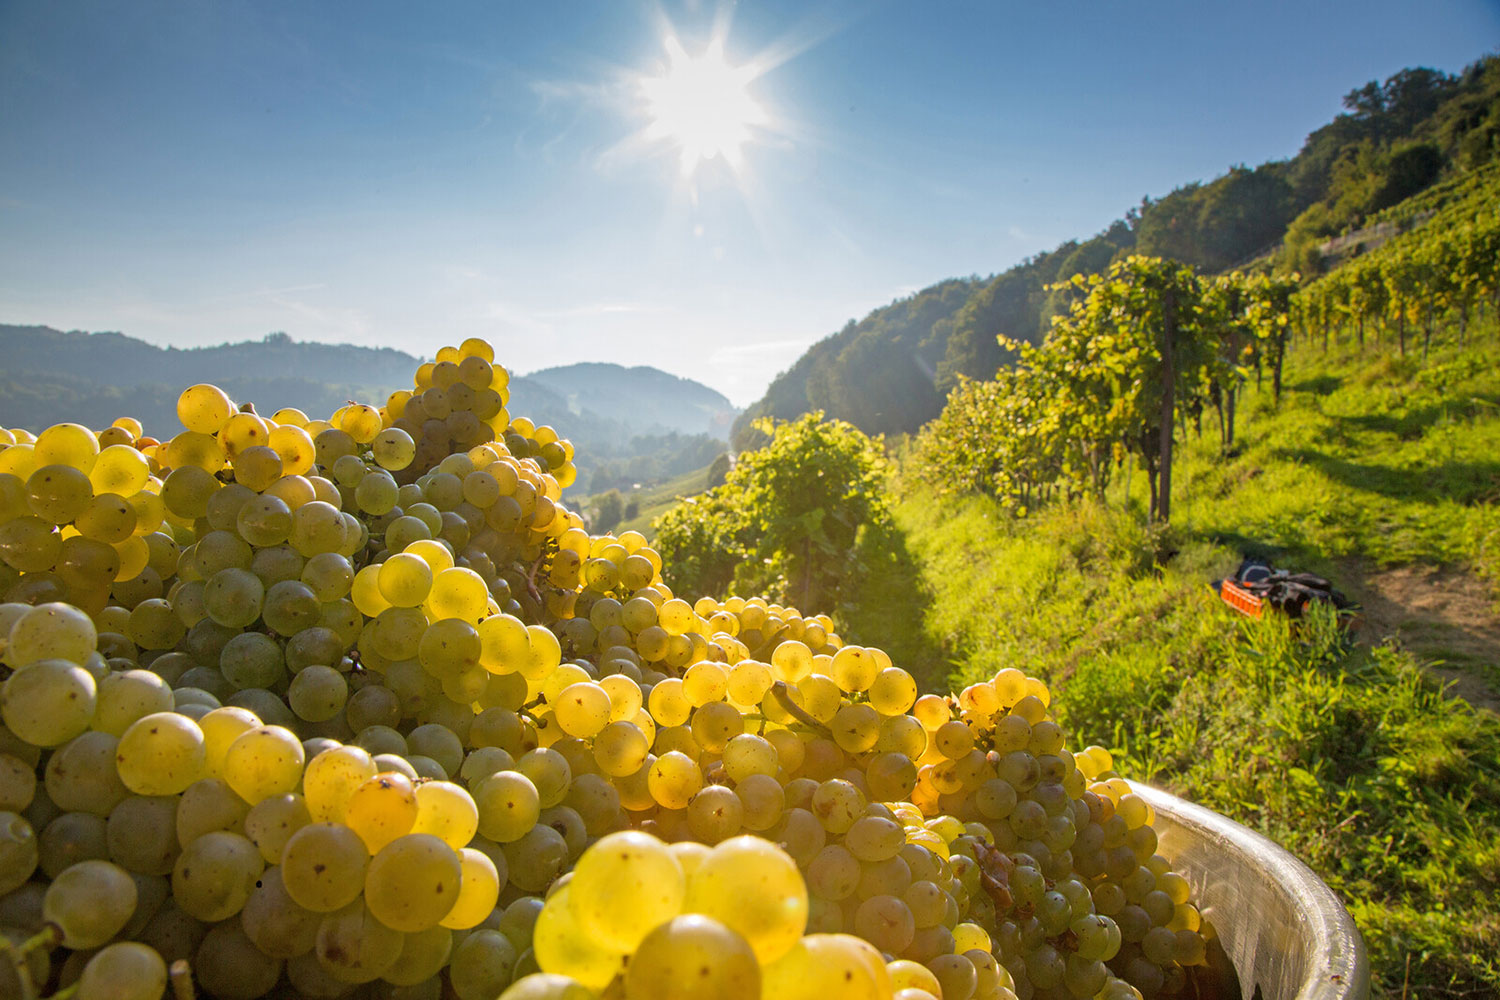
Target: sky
x: 408, y: 175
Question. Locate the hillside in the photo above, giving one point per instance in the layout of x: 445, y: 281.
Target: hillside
x: 640, y: 416
x: 890, y: 372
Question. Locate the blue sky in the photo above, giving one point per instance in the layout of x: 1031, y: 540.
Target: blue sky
x: 407, y: 175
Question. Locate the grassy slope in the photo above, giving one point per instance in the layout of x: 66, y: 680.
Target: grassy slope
x: 654, y: 500
x: 1347, y: 754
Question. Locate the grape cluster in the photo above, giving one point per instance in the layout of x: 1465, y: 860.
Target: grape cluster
x: 359, y: 707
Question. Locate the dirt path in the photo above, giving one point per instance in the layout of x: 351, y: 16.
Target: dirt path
x: 1438, y: 614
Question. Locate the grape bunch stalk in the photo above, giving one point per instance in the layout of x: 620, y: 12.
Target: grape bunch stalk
x: 358, y: 707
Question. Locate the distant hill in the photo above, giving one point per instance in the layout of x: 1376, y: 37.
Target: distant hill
x: 891, y: 371
x: 611, y: 413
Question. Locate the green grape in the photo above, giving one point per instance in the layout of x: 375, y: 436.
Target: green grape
x: 274, y: 922
x: 886, y: 922
x: 704, y: 682
x: 262, y: 762
x: 478, y: 891
x: 81, y: 774
x: 220, y: 728
x: 561, y: 943
x: 449, y: 647
x: 207, y: 806
x: 58, y: 493
x: 582, y: 709
x: 155, y: 624
x: 834, y: 873
x: 715, y: 724
x: 323, y: 866
x: 120, y: 469
x: 958, y: 978
x: 423, y: 956
x: 228, y: 965
x: 107, y: 518
x: 215, y: 874
x: 376, y: 493
x: 329, y: 574
x: 693, y: 956
x: 893, y: 691
x: 90, y: 902
x: 508, y: 806
x: 756, y: 889
x: 396, y: 634
x: 762, y: 801
x: 412, y: 882
x: 825, y: 965
x: 547, y: 986
x: 291, y: 606
x: 623, y: 886
x: 70, y: 838
x: 271, y: 822
x: 18, y: 781
x: 51, y: 632
x: 906, y: 974
x: 317, y: 529
x: 123, y: 971
x: 381, y: 809
x: 204, y: 408
x: 264, y: 520
x: 127, y: 696
x: 393, y: 449
x: 353, y: 945
x: 749, y: 754
x: 837, y: 804
x: 48, y: 702
x: 549, y: 773
x: 458, y: 592
x: 142, y: 834
x: 331, y: 778
x: 536, y: 858
x: 233, y: 597
x: 18, y: 851
x: 29, y: 544
x: 317, y: 693
x: 481, y: 965
x: 620, y: 749
x: 446, y: 811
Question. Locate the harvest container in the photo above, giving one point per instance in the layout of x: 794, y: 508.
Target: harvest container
x: 1283, y: 932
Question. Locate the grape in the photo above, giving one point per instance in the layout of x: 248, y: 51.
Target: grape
x: 885, y: 922
x: 353, y: 945
x: 820, y: 966
x: 81, y: 775
x: 481, y: 965
x: 381, y: 808
x: 142, y: 835
x: 692, y: 957
x: 220, y: 728
x: 562, y: 943
x: 547, y: 986
x: 160, y: 754
x: 413, y: 882
x: 317, y: 693
x: 446, y: 811
x: 206, y: 806
x: 323, y: 866
x: 262, y: 762
x: 228, y: 965
x: 755, y: 888
x: 536, y: 858
x: 128, y: 695
x: 51, y: 632
x: 271, y: 822
x: 215, y: 874
x: 204, y: 408
x: 123, y: 971
x: 90, y: 902
x: 18, y: 851
x: 625, y: 885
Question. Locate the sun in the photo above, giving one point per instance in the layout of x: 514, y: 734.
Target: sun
x: 702, y: 104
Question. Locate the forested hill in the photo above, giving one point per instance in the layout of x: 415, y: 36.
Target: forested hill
x: 611, y: 413
x: 891, y: 371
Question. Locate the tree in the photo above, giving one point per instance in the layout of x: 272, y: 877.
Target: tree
x: 608, y: 511
x: 786, y: 519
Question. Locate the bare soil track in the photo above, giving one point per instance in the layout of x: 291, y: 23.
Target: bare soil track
x: 1439, y: 614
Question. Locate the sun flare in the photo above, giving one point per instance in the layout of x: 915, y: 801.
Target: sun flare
x: 702, y: 105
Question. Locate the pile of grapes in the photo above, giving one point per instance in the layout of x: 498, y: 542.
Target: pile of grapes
x: 357, y: 707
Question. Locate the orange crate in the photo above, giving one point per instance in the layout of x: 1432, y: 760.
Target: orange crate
x: 1240, y: 599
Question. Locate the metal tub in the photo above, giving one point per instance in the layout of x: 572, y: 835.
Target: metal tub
x: 1283, y: 932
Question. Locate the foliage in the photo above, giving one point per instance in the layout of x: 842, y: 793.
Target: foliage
x: 1345, y: 754
x: 1101, y: 386
x: 785, y: 521
x: 608, y: 510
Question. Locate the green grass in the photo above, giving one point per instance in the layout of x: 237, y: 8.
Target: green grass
x: 1350, y: 755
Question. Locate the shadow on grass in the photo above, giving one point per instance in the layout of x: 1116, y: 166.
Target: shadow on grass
x: 1465, y: 482
x: 1411, y: 424
x: 1320, y: 385
x: 886, y: 605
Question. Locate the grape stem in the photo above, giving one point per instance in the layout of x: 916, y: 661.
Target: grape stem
x: 182, y: 980
x: 796, y: 711
x: 531, y: 578
x: 49, y: 937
